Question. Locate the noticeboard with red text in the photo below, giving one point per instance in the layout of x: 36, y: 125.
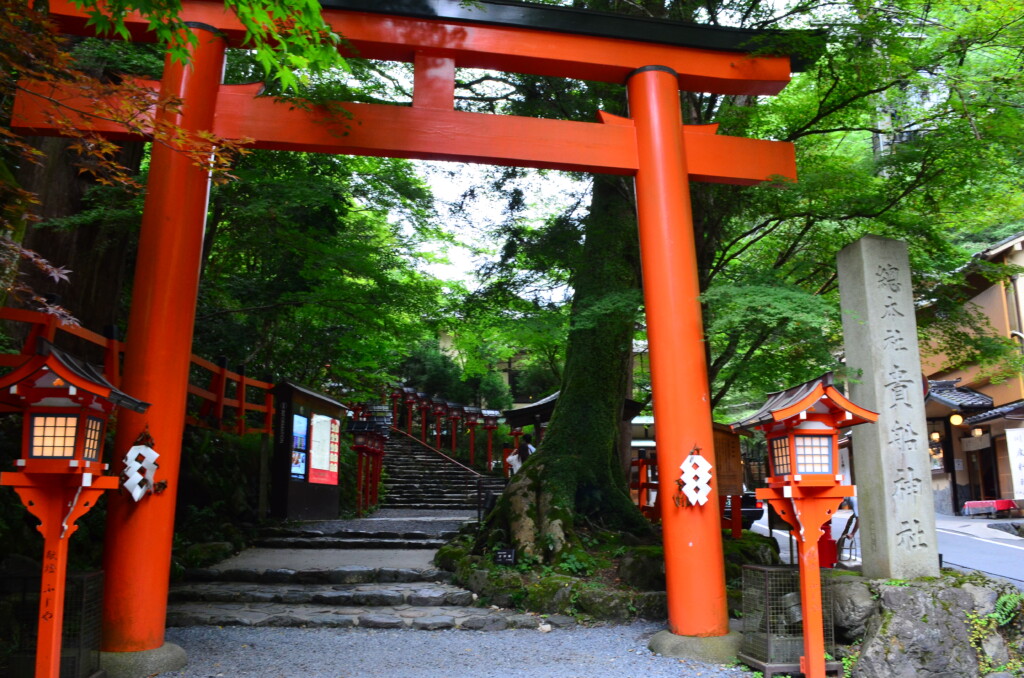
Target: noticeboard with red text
x: 324, y: 449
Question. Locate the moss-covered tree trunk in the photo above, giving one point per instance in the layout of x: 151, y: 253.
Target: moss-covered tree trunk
x: 576, y: 474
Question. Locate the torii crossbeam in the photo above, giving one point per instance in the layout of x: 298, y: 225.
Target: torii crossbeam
x: 654, y: 59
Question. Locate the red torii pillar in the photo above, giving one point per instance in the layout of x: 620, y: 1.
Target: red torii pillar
x: 694, y: 560
x: 653, y: 145
x: 137, y: 555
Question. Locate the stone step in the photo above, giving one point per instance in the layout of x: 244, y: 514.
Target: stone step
x: 394, y: 594
x: 439, y: 487
x: 346, y: 574
x: 287, y: 532
x: 426, y: 618
x: 346, y: 543
x: 418, y: 475
x: 420, y: 478
x: 434, y: 498
x: 431, y: 497
x: 430, y: 504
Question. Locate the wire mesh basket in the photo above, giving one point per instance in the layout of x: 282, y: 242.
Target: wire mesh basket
x: 83, y: 598
x: 773, y: 620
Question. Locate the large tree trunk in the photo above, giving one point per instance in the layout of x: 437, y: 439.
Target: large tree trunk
x: 99, y: 252
x: 576, y: 472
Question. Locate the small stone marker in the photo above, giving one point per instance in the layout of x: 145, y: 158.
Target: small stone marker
x: 894, y: 486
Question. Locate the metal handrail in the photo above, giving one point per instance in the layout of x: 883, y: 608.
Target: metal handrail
x: 477, y: 476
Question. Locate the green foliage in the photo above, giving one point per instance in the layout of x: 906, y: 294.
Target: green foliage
x: 1008, y: 606
x: 979, y: 627
x: 303, y: 281
x: 289, y: 40
x: 431, y: 370
x: 849, y: 663
x: 579, y: 564
x: 94, y: 55
x: 218, y: 486
x: 896, y: 582
x: 494, y: 392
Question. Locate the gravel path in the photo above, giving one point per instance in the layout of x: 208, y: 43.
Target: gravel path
x: 597, y: 652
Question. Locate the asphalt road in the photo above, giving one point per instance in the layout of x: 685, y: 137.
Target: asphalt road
x: 965, y: 543
x: 968, y: 543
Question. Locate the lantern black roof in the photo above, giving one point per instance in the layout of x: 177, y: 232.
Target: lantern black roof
x: 48, y: 356
x: 804, y: 396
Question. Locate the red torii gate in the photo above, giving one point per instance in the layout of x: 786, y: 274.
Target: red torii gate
x: 653, y: 145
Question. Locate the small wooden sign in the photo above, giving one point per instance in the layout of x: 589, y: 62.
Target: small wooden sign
x: 729, y: 466
x: 505, y: 557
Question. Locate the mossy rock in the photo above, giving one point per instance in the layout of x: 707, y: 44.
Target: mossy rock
x: 751, y: 549
x: 643, y: 568
x: 498, y: 587
x: 448, y: 556
x: 551, y: 594
x: 603, y: 603
x: 651, y: 605
x: 466, y: 566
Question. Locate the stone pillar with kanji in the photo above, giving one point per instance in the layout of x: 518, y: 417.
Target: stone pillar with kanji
x: 895, y: 503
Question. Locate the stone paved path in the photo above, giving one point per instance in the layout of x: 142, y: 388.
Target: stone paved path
x: 293, y: 580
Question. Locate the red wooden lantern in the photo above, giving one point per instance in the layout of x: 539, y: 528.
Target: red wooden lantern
x: 440, y: 409
x: 65, y: 404
x: 368, y: 440
x: 410, y: 398
x: 490, y: 418
x: 396, y: 397
x: 455, y: 413
x: 804, y: 486
x: 425, y: 404
x: 472, y: 415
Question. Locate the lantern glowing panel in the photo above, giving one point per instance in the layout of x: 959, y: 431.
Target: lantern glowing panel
x: 53, y: 435
x: 780, y: 456
x: 813, y: 454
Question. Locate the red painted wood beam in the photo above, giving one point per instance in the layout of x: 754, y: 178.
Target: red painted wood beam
x: 607, y: 147
x: 510, y: 49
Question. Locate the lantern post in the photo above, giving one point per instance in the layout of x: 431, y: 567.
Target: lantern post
x: 805, y: 485
x: 65, y: 405
x: 472, y: 419
x: 410, y: 406
x: 380, y: 441
x: 440, y: 409
x: 455, y: 412
x: 363, y: 444
x: 490, y: 424
x: 425, y: 404
x: 517, y: 433
x: 396, y: 398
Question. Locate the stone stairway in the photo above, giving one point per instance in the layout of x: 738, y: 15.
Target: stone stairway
x: 348, y: 538
x: 371, y: 572
x: 417, y: 477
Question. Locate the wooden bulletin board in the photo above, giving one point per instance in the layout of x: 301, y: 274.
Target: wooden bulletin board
x: 728, y: 463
